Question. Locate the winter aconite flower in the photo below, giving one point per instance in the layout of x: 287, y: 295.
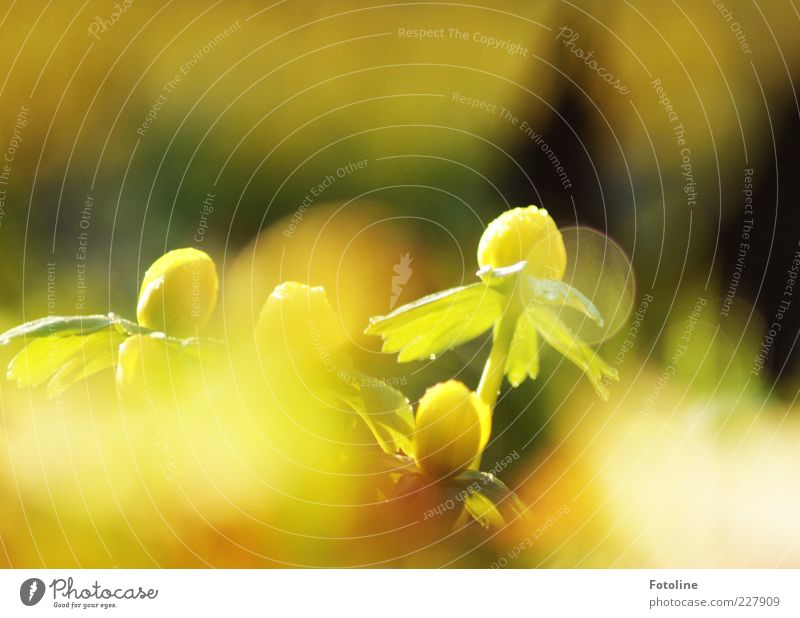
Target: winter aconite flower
x: 297, y: 320
x: 300, y: 340
x: 301, y: 344
x: 451, y: 429
x: 179, y: 293
x: 524, y: 235
x: 522, y: 259
x: 177, y: 297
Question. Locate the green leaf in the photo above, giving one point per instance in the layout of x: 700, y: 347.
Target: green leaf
x: 41, y: 359
x: 558, y: 335
x: 552, y: 292
x: 385, y: 410
x: 64, y: 359
x: 438, y: 322
x: 483, y: 510
x: 488, y: 500
x: 65, y: 326
x: 523, y: 354
x: 63, y: 350
x: 387, y: 413
x: 97, y: 353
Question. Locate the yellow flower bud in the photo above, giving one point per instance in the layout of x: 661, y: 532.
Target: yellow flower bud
x: 179, y: 293
x: 452, y: 428
x: 524, y: 234
x: 298, y: 318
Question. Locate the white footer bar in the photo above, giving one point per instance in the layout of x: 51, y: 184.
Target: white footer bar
x: 407, y: 594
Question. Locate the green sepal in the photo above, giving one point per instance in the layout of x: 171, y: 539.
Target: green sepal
x: 487, y: 499
x: 558, y: 335
x: 65, y: 326
x: 558, y: 293
x: 523, y: 354
x: 438, y: 322
x: 498, y: 276
x: 384, y: 409
x: 66, y: 349
x: 64, y: 360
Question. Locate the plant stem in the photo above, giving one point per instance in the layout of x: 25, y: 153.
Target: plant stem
x: 495, y: 368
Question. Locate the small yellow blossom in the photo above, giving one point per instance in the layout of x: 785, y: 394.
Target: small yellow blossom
x: 452, y: 428
x: 520, y: 297
x: 524, y: 234
x: 178, y: 293
x: 298, y: 319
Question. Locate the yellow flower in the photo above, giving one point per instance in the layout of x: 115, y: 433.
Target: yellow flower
x: 179, y: 293
x: 524, y: 234
x: 178, y: 296
x: 452, y: 428
x: 298, y: 319
x: 520, y: 297
x: 302, y: 342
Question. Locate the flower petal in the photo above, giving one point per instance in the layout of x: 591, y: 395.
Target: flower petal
x: 452, y: 426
